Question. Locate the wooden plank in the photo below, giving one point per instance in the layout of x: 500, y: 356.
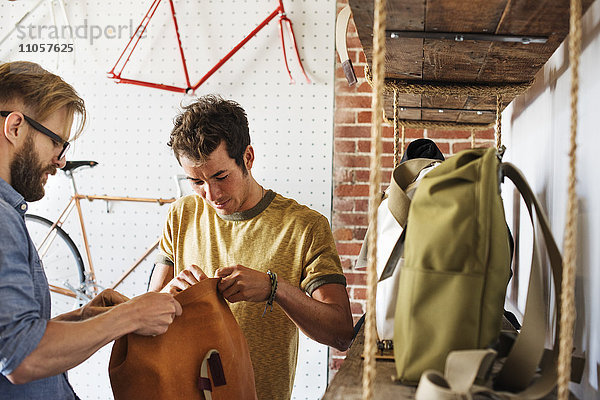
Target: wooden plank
x: 535, y: 18
x: 514, y: 62
x: 347, y: 384
x: 403, y: 60
x: 446, y: 116
x: 484, y: 103
x: 463, y: 16
x: 471, y: 117
x: 446, y: 60
x: 445, y: 102
x: 406, y: 100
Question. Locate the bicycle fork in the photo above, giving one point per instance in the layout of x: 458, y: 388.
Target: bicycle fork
x: 283, y: 18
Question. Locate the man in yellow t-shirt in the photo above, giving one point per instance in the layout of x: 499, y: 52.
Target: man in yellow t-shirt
x: 263, y: 246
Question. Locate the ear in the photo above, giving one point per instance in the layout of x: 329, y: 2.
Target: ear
x: 14, y: 130
x: 249, y: 157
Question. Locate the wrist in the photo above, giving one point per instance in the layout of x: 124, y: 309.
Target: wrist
x: 273, y: 291
x: 125, y: 318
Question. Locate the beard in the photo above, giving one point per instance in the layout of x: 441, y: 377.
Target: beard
x: 27, y: 172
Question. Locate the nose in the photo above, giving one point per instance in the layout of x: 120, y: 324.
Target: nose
x: 213, y: 192
x: 60, y: 163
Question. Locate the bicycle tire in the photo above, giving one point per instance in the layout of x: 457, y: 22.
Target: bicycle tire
x: 62, y: 262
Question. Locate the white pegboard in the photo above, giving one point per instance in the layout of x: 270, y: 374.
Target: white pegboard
x: 128, y: 127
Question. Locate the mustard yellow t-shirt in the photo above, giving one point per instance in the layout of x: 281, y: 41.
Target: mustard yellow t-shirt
x: 277, y: 234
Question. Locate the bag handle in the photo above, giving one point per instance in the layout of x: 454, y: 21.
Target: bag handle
x: 341, y: 26
x: 212, y: 361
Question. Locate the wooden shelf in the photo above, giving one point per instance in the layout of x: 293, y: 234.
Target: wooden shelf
x: 347, y: 383
x: 468, y: 61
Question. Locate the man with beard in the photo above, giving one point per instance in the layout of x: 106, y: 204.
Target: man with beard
x: 35, y: 351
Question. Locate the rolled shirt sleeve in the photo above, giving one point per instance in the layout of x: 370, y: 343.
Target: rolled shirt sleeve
x: 321, y: 263
x: 22, y: 324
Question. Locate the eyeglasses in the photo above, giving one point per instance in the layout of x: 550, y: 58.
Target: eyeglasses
x: 42, y: 129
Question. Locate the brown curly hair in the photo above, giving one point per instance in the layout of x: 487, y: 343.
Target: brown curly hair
x: 204, y: 124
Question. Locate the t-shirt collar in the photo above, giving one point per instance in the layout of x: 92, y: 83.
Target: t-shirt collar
x: 253, y: 212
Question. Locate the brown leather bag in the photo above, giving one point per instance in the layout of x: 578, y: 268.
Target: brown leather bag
x: 175, y: 365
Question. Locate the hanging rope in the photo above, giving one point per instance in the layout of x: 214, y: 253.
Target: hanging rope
x: 450, y: 89
x: 374, y: 194
x: 498, y: 121
x: 567, y: 320
x: 402, y: 143
x: 397, y: 130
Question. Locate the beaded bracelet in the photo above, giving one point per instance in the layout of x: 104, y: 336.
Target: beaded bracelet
x: 273, y: 279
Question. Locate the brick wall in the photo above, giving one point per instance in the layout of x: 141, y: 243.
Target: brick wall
x: 351, y: 169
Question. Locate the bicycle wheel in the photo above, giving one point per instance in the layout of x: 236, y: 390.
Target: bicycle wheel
x: 61, y: 260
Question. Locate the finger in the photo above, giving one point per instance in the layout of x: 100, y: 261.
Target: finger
x: 235, y: 298
x: 189, y: 277
x: 182, y: 283
x: 223, y: 272
x: 198, y: 273
x: 225, y: 284
x: 167, y: 289
x: 229, y: 293
x: 178, y: 308
x: 172, y: 288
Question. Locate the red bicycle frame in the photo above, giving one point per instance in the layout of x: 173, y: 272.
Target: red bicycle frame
x: 141, y: 29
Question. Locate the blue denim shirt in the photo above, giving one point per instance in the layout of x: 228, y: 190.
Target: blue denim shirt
x: 24, y: 303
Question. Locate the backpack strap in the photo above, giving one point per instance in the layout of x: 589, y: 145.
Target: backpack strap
x: 527, y: 351
x: 403, y: 176
x: 403, y: 179
x: 403, y: 183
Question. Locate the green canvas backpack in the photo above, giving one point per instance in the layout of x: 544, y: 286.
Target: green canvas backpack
x: 453, y: 283
x: 457, y: 264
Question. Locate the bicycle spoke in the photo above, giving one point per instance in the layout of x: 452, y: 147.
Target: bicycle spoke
x: 61, y: 262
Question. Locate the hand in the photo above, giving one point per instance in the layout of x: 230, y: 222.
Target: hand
x: 186, y: 278
x: 154, y: 312
x: 239, y: 283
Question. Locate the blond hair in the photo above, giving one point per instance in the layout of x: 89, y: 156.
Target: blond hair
x: 41, y: 92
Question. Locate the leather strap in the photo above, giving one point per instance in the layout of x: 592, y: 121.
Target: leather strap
x: 400, y: 194
x: 341, y: 27
x: 404, y: 175
x: 212, y: 361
